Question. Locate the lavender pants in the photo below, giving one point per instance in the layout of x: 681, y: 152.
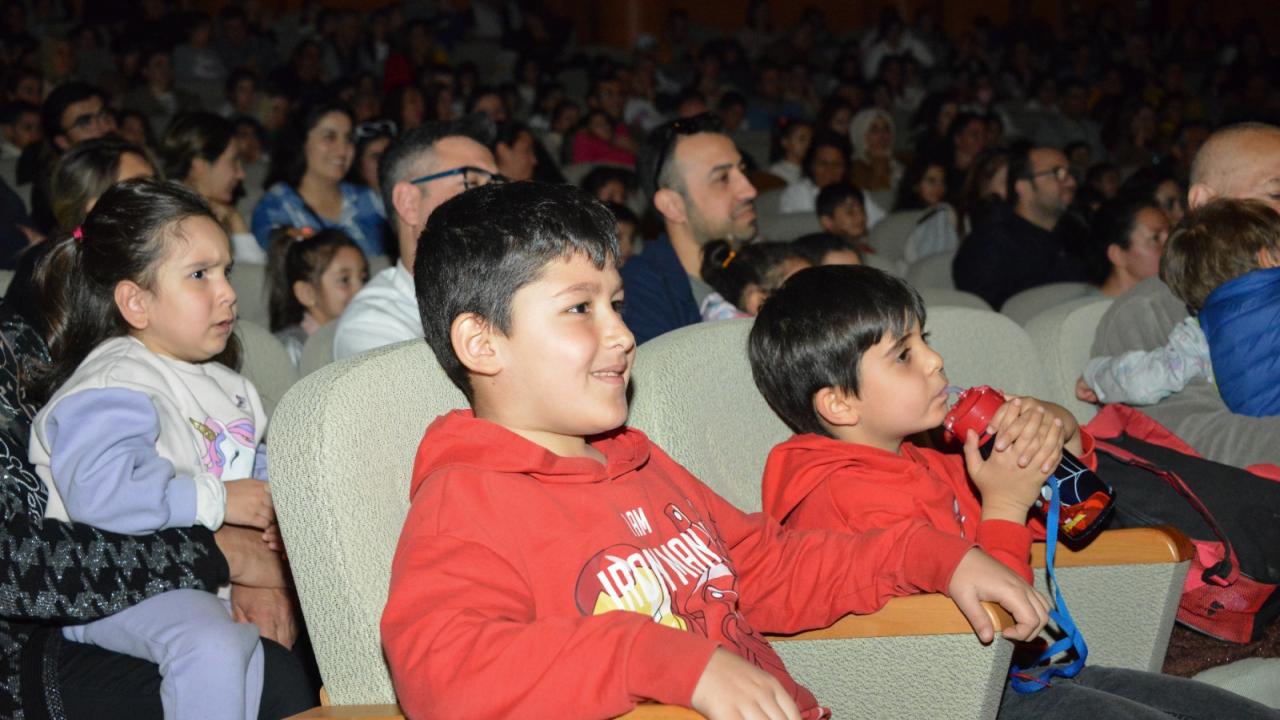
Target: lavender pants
x: 210, y: 666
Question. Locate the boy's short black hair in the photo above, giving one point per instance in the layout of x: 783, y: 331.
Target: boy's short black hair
x: 812, y: 332
x: 815, y: 247
x: 482, y: 246
x: 833, y: 196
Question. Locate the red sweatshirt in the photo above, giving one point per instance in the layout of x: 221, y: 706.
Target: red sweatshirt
x: 813, y: 482
x: 512, y: 558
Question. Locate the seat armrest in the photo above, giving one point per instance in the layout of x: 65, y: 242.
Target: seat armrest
x: 926, y: 614
x: 1131, y: 546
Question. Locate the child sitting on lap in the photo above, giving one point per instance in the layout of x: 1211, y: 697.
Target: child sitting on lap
x: 1223, y: 261
x: 841, y: 354
x: 555, y: 561
x: 150, y: 428
x: 313, y: 276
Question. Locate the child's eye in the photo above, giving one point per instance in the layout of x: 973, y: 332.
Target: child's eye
x: 619, y: 306
x: 580, y: 308
x: 198, y: 275
x: 905, y: 355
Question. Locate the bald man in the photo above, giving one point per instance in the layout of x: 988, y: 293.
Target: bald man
x: 1241, y: 161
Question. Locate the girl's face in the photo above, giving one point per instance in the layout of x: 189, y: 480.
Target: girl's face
x: 827, y: 166
x: 796, y: 143
x: 1146, y: 244
x: 1169, y: 196
x: 613, y: 191
x: 517, y: 160
x: 329, y: 150
x: 327, y: 298
x: 188, y: 312
x: 217, y: 180
x: 373, y: 151
x: 840, y: 121
x: 933, y: 185
x: 879, y: 138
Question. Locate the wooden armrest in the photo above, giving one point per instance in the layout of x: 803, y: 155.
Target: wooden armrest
x: 928, y: 614
x: 1131, y: 546
x: 646, y: 711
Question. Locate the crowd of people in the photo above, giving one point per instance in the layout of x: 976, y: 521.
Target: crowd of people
x: 145, y: 151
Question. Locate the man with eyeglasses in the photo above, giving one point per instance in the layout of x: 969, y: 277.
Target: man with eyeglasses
x: 73, y: 113
x: 1026, y: 243
x: 418, y: 172
x: 694, y: 174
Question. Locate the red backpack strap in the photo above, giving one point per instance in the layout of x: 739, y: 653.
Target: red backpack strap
x: 1222, y: 573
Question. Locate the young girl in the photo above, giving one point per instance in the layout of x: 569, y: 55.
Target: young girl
x: 150, y: 428
x: 743, y: 278
x: 313, y: 277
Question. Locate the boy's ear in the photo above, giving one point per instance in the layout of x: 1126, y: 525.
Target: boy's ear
x: 305, y: 293
x: 472, y: 339
x: 134, y: 304
x: 827, y: 222
x: 836, y: 407
x: 671, y: 204
x: 1199, y: 195
x: 1268, y: 259
x: 406, y: 198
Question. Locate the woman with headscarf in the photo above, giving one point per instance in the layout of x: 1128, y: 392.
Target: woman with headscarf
x: 874, y: 169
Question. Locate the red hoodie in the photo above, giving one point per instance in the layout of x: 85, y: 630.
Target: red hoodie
x: 813, y: 482
x: 511, y: 558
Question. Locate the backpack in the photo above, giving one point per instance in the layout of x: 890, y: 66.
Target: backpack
x: 1232, y: 516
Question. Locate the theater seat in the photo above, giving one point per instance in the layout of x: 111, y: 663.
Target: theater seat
x: 317, y: 351
x: 939, y: 297
x: 1024, y: 306
x: 1063, y: 337
x: 249, y: 281
x: 266, y: 363
x: 785, y: 227
x: 932, y: 271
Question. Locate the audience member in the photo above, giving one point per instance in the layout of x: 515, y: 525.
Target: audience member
x: 1240, y: 161
x: 513, y: 149
x: 73, y: 113
x: 874, y: 169
x: 158, y: 98
x: 1025, y: 244
x: 307, y: 186
x: 826, y: 248
x: 694, y: 176
x: 841, y: 211
x: 790, y: 145
x: 372, y: 140
x: 825, y: 164
x: 744, y: 277
x: 312, y: 278
x: 419, y: 171
x: 1127, y: 238
x: 628, y: 225
x: 201, y: 151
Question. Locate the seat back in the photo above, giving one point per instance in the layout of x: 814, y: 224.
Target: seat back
x: 266, y: 363
x: 785, y: 227
x: 939, y: 297
x: 889, y: 236
x: 1029, y: 303
x: 932, y: 271
x: 980, y: 347
x: 318, y: 350
x: 342, y: 449
x: 769, y: 202
x: 754, y: 144
x: 1063, y: 336
x: 6, y: 277
x: 250, y: 283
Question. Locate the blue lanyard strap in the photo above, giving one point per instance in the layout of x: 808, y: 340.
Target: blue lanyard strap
x: 1026, y: 680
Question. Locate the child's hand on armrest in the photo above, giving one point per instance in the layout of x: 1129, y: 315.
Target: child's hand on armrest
x: 981, y: 577
x: 1028, y: 445
x: 249, y: 503
x: 731, y: 687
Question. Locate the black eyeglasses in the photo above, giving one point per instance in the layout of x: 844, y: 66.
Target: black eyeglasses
x: 87, y: 120
x: 472, y: 177
x: 668, y: 133
x: 1059, y: 172
x: 375, y: 129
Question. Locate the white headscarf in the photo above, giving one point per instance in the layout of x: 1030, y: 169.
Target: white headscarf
x: 858, y: 128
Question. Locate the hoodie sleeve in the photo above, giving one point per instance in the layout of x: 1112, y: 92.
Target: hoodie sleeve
x: 461, y: 639
x: 103, y: 459
x: 798, y: 580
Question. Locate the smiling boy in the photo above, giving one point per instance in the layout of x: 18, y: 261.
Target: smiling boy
x: 538, y: 514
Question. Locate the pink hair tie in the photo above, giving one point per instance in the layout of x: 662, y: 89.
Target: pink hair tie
x: 78, y: 234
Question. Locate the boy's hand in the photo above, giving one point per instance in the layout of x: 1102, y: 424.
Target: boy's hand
x: 249, y: 503
x: 1010, y: 480
x: 1011, y: 411
x: 981, y: 577
x: 731, y: 687
x: 1084, y: 392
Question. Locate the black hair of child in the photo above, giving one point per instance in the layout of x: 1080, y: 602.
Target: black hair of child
x: 812, y: 332
x: 482, y: 246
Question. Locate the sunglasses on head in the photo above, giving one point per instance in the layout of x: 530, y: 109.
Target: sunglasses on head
x: 670, y: 132
x: 374, y: 129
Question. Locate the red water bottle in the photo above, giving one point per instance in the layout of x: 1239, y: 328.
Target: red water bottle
x: 1086, y: 499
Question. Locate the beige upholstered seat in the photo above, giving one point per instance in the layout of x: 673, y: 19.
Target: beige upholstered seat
x: 318, y: 350
x: 1029, y: 303
x: 1063, y: 336
x: 785, y: 227
x: 932, y: 271
x: 946, y: 297
x: 266, y: 363
x: 249, y: 281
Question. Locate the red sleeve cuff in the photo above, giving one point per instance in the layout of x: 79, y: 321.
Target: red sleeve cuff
x: 931, y: 558
x: 665, y: 664
x: 1008, y: 542
x: 1088, y: 457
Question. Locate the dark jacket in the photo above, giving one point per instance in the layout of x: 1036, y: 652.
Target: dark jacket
x: 1006, y: 254
x: 659, y: 297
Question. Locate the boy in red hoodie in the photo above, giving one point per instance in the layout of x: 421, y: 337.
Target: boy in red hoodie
x: 840, y: 354
x: 537, y: 514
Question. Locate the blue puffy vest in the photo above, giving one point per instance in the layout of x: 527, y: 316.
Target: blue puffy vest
x: 1241, y: 321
